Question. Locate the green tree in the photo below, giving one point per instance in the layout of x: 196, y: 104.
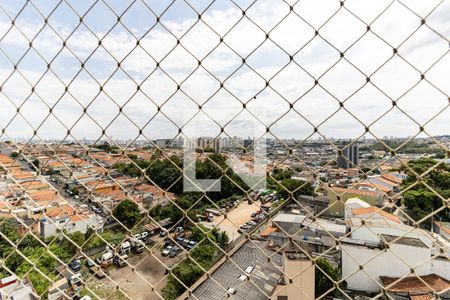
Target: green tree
x: 296, y: 187
x: 324, y: 283
x: 421, y: 202
x: 204, y: 254
x: 280, y: 174
x: 418, y: 198
x: 127, y: 212
x: 35, y: 163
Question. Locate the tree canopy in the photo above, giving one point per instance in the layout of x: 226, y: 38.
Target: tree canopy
x: 128, y: 213
x: 323, y: 283
x: 420, y: 200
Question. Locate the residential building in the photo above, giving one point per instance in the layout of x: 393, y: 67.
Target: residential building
x: 68, y: 219
x: 426, y: 287
x: 300, y: 271
x: 231, y: 279
x: 339, y: 195
x: 13, y: 288
x: 349, y: 157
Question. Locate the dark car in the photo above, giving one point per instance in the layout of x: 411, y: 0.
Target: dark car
x: 75, y: 265
x: 174, y: 252
x: 191, y: 245
x: 168, y: 242
x: 179, y: 240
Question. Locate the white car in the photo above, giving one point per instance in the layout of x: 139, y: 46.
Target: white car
x: 166, y: 251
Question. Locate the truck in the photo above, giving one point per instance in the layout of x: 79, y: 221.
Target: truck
x: 216, y: 212
x: 125, y: 247
x: 137, y: 245
x: 120, y: 260
x: 209, y: 217
x: 106, y: 259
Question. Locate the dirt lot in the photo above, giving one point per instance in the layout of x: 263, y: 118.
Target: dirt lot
x: 235, y: 218
x: 136, y: 284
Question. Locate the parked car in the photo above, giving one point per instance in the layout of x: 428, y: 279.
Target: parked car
x: 245, y: 227
x: 231, y: 291
x: 75, y: 265
x: 168, y: 242
x: 185, y: 243
x: 162, y: 233
x: 90, y: 262
x: 179, y: 240
x: 174, y: 252
x: 191, y: 244
x: 251, y: 223
x: 167, y: 250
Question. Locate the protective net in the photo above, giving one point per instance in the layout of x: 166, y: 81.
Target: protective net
x: 224, y: 149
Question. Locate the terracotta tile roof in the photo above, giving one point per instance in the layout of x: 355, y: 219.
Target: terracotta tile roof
x: 147, y: 188
x: 18, y: 174
x: 54, y: 164
x: 34, y: 185
x: 268, y: 231
x: 412, y: 284
x: 6, y: 160
x: 66, y: 211
x: 40, y: 195
x: 387, y: 181
x: 391, y: 178
x: 375, y: 210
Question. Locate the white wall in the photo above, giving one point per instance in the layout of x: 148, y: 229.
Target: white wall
x: 49, y: 228
x: 387, y: 263
x: 441, y: 267
x: 372, y: 234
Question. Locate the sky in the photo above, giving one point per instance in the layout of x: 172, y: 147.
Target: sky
x: 291, y: 105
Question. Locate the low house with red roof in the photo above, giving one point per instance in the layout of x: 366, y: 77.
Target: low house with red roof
x: 426, y: 287
x: 66, y: 218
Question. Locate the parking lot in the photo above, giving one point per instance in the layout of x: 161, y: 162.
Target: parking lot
x: 235, y: 218
x: 137, y: 283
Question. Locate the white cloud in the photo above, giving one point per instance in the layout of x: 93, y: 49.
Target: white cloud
x: 242, y: 83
